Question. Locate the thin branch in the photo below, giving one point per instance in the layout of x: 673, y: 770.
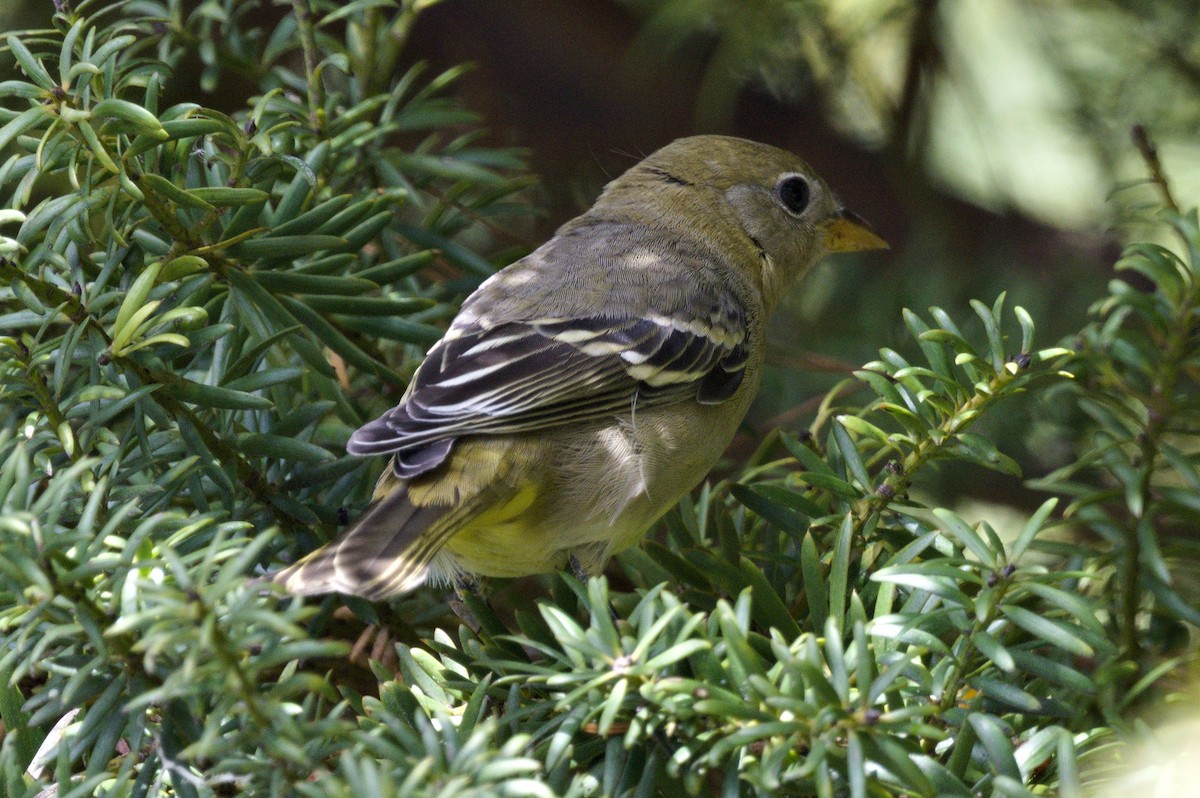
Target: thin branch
x: 1145, y: 146
x: 924, y: 58
x: 308, y: 41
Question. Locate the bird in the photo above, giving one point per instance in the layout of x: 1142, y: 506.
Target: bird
x: 582, y: 390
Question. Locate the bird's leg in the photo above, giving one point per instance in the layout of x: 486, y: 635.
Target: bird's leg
x: 577, y: 568
x: 467, y: 585
x: 375, y: 643
x: 583, y: 573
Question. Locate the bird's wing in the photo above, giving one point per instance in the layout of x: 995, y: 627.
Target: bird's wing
x: 520, y: 376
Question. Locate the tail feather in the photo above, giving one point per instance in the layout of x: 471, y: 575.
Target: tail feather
x: 387, y: 552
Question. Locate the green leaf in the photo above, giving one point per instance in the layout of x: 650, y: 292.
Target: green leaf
x: 134, y: 117
x: 183, y: 266
x: 135, y: 299
x: 613, y: 704
x: 224, y: 197
x: 103, y: 157
x: 953, y: 340
x: 192, y: 128
x: 280, y: 247
x: 676, y: 653
x: 806, y: 456
x: 352, y: 8
x: 444, y: 167
x: 293, y: 283
x: 832, y: 484
x: 393, y: 328
x: 108, y: 410
x: 978, y: 449
x: 358, y: 236
x: 387, y: 273
x: 1031, y: 528
x: 29, y: 65
x: 891, y: 628
x: 865, y: 429
x: 265, y: 378
x: 313, y: 218
x: 791, y: 498
x: 839, y: 570
x: 215, y: 397
x: 994, y: 650
x: 1069, y: 785
x: 1027, y: 328
x: 849, y: 454
x: 110, y: 48
x: 20, y: 124
x: 348, y: 217
x: 19, y: 88
x: 1058, y: 634
x: 1081, y: 607
x: 137, y: 323
x: 814, y: 582
x: 330, y: 336
x: 769, y: 609
x: 996, y: 744
x: 935, y: 355
x: 934, y: 585
x: 1052, y: 671
x: 1006, y: 693
x: 957, y: 528
x: 365, y: 306
x: 283, y: 319
x: 450, y: 250
x: 780, y: 517
x: 1169, y: 600
x: 904, y: 762
x: 258, y: 444
x: 991, y: 325
x: 881, y: 384
x: 856, y: 766
x: 164, y: 187
x: 1160, y: 266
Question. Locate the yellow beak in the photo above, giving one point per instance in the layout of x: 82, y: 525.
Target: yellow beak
x: 847, y: 232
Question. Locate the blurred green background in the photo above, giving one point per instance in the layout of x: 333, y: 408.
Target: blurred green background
x: 988, y: 140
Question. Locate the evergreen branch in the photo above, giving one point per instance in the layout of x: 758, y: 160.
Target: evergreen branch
x: 316, y: 100
x: 935, y: 446
x: 1145, y: 147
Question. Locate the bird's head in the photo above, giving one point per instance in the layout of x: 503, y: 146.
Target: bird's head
x: 750, y: 198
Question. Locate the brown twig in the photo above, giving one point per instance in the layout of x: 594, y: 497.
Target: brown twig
x: 1145, y: 146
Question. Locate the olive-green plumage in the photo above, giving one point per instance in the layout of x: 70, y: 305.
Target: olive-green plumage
x: 583, y: 389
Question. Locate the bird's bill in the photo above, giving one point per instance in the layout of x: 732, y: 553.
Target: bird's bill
x: 848, y: 232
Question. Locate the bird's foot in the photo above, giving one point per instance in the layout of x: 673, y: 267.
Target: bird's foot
x: 577, y: 569
x: 581, y: 572
x: 467, y: 585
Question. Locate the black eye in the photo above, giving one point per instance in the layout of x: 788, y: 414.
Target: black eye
x: 794, y: 193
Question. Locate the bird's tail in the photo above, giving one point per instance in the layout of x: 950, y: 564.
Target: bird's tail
x: 387, y: 552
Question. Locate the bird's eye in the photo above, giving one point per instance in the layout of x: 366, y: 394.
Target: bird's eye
x: 793, y: 193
